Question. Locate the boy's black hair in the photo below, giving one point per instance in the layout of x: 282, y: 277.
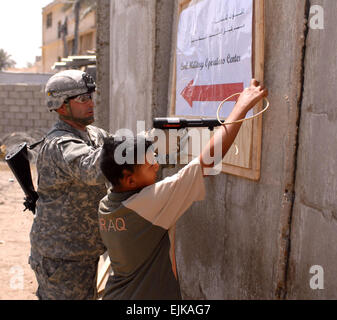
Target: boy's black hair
x: 109, y: 165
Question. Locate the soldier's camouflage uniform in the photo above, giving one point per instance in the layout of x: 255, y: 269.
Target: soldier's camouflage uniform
x: 65, y: 241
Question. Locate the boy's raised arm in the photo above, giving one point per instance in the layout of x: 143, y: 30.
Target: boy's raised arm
x: 225, y: 136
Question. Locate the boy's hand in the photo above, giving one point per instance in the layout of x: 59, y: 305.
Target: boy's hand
x: 223, y: 139
x: 251, y: 96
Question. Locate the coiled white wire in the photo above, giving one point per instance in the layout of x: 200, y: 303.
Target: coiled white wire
x: 240, y: 120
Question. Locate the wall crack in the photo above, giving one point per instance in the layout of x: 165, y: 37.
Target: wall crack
x: 281, y: 290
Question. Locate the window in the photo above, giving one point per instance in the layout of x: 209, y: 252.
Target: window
x: 70, y: 44
x: 86, y: 43
x: 49, y: 20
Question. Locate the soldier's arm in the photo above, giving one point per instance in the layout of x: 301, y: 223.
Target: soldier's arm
x: 80, y: 161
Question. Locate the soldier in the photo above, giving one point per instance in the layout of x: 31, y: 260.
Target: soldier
x: 65, y: 241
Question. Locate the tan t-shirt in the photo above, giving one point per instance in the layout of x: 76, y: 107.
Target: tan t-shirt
x: 135, y: 229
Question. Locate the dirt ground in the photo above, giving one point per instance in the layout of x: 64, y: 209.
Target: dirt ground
x: 17, y: 280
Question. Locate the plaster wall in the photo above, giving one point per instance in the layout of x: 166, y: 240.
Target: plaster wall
x: 236, y: 241
x: 140, y: 42
x: 103, y: 65
x: 314, y: 216
x: 131, y: 62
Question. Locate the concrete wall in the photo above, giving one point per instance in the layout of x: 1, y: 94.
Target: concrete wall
x: 28, y: 78
x: 245, y: 223
x: 140, y: 41
x: 314, y: 216
x: 103, y: 64
x: 23, y: 108
x: 248, y: 240
x: 131, y: 62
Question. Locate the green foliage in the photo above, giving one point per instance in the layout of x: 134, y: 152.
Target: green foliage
x: 5, y: 60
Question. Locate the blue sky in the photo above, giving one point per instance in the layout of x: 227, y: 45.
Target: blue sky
x: 21, y: 29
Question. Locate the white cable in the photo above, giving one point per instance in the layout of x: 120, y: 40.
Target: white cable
x: 241, y: 120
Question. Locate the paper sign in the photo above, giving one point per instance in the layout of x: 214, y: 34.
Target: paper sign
x: 214, y: 56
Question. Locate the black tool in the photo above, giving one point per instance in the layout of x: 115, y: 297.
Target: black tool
x: 179, y: 123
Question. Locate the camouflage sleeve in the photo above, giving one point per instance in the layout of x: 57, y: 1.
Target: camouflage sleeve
x: 80, y: 161
x: 104, y: 133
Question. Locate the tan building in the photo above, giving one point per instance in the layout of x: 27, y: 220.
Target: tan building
x: 53, y: 49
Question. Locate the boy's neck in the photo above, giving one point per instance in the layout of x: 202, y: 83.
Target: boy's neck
x: 120, y: 189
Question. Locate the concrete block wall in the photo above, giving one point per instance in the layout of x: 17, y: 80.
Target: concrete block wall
x: 24, y: 77
x: 23, y: 107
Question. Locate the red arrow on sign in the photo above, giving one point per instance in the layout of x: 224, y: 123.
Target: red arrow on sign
x: 214, y: 92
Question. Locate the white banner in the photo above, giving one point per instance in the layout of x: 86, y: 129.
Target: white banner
x: 214, y: 56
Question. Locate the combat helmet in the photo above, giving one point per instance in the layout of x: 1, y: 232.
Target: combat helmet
x: 67, y: 84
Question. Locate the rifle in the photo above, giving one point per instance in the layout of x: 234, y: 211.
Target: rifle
x: 18, y: 162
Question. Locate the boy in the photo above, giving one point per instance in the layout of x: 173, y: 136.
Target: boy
x: 137, y: 215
